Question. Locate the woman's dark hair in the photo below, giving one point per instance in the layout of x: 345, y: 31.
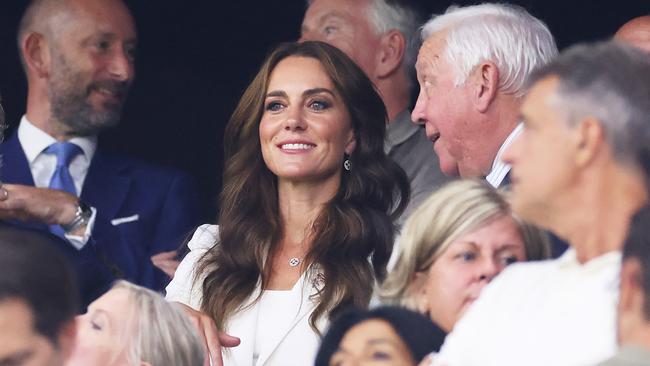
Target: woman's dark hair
x: 418, y: 332
x: 354, y: 232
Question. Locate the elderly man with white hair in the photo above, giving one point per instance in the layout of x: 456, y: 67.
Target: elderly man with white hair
x: 471, y: 70
x: 576, y: 170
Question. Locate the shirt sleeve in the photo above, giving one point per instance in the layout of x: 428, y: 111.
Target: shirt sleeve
x: 183, y: 288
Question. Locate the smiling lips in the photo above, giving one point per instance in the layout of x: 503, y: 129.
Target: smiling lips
x: 296, y: 146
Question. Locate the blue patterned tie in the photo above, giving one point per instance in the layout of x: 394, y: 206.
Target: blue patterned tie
x: 61, y: 179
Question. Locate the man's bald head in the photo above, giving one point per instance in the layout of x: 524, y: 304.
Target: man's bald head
x: 636, y: 32
x: 40, y: 15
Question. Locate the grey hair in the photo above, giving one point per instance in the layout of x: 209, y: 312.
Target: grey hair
x: 162, y: 333
x: 387, y: 15
x: 505, y: 34
x: 611, y: 82
x: 452, y: 211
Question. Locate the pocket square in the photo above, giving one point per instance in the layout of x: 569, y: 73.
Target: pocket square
x: 124, y: 220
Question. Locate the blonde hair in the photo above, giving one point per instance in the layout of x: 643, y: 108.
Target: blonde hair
x: 161, y: 333
x: 455, y: 209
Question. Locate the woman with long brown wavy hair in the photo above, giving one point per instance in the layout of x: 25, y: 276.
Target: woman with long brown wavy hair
x: 306, y: 212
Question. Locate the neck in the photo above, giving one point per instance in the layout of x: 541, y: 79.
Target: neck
x: 610, y: 197
x: 395, y: 94
x: 503, y: 117
x: 300, y: 204
x: 39, y: 113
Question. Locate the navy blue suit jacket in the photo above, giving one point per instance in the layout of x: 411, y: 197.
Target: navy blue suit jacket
x: 164, y: 200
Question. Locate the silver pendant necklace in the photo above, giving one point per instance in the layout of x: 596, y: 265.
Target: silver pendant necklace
x: 293, y: 262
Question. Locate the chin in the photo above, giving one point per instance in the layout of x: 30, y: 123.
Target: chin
x: 449, y: 169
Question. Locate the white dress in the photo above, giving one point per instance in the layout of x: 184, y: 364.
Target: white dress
x: 274, y: 331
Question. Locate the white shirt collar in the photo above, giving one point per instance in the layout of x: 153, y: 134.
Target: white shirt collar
x: 34, y: 141
x: 499, y: 168
x: 570, y: 260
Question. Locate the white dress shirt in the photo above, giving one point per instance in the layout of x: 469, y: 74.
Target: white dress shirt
x: 34, y: 141
x: 499, y: 168
x: 557, y: 312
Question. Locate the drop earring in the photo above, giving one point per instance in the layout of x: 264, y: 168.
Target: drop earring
x: 347, y: 165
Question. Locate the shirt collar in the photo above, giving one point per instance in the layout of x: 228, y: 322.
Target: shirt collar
x: 34, y: 141
x: 499, y: 168
x: 570, y: 260
x: 400, y: 129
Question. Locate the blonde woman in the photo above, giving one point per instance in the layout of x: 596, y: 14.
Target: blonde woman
x: 134, y: 326
x: 453, y: 245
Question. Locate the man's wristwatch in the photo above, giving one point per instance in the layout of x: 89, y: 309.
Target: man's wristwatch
x: 81, y: 218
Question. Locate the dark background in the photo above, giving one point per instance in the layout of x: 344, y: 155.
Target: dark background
x: 196, y: 57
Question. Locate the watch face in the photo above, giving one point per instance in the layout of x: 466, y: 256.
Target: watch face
x: 86, y: 211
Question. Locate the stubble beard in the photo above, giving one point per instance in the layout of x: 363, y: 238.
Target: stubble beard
x: 69, y: 100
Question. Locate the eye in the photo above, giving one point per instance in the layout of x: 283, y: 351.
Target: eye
x: 466, y: 256
x: 508, y: 260
x: 95, y: 326
x: 274, y: 106
x: 380, y: 355
x: 103, y: 45
x: 319, y: 105
x: 329, y: 30
x: 131, y: 52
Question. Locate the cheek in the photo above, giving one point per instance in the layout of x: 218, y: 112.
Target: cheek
x: 446, y: 290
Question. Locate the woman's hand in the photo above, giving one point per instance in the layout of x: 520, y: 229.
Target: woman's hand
x: 213, y: 339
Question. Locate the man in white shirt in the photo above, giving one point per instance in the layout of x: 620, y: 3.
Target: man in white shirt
x: 114, y: 211
x: 471, y: 69
x: 575, y: 171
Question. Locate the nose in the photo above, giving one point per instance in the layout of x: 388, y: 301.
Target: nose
x: 122, y: 66
x: 418, y: 116
x: 489, y: 268
x: 294, y: 120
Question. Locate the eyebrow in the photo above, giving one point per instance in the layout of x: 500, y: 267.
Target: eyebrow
x: 308, y: 92
x: 334, y: 14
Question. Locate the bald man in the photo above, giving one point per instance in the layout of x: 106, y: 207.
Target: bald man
x: 114, y: 211
x: 635, y: 32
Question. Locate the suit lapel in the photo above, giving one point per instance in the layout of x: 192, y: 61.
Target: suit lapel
x: 106, y: 185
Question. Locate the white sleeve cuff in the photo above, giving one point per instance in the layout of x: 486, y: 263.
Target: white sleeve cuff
x: 80, y: 241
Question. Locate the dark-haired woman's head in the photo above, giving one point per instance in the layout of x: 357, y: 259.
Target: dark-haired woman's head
x: 310, y: 118
x: 382, y: 336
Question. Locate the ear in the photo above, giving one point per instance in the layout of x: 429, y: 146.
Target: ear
x: 351, y: 144
x: 391, y: 52
x: 630, y: 298
x: 485, y: 81
x: 67, y: 338
x: 589, y: 140
x: 36, y: 54
x: 419, y: 292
